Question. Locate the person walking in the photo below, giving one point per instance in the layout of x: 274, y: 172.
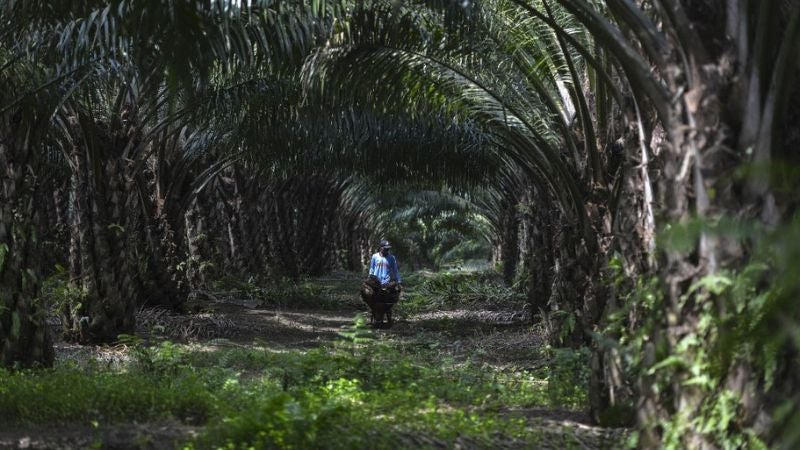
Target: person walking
x: 382, y: 288
x: 383, y: 266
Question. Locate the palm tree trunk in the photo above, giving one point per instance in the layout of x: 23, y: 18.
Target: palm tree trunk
x: 317, y: 216
x: 245, y: 205
x: 162, y: 228
x: 24, y: 337
x: 282, y: 232
x: 51, y: 227
x: 540, y: 254
x: 197, y: 244
x: 509, y: 249
x: 696, y: 182
x: 105, y: 252
x: 632, y: 225
x: 258, y: 228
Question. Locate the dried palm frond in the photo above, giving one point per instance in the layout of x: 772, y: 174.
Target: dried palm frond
x: 205, y: 325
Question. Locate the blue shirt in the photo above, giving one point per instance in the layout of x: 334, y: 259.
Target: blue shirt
x: 385, y: 268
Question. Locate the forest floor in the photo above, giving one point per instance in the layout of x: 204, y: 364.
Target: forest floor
x: 456, y: 370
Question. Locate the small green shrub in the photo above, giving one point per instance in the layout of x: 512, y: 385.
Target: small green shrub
x: 164, y: 359
x: 58, y: 294
x: 568, y: 377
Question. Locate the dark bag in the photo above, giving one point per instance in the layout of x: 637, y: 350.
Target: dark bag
x: 369, y: 288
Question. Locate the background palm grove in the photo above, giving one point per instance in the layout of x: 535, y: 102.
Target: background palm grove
x: 629, y: 167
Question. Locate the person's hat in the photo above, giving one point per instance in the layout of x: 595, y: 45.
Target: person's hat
x: 385, y: 244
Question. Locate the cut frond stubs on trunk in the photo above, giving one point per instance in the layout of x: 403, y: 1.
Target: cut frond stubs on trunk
x: 24, y: 335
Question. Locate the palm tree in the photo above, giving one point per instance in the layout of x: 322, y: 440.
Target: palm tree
x: 665, y: 69
x: 694, y: 69
x: 97, y: 58
x: 431, y: 227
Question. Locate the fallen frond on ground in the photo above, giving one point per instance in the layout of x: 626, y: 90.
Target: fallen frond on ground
x: 168, y: 324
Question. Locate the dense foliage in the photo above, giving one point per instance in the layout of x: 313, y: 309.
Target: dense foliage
x: 629, y: 166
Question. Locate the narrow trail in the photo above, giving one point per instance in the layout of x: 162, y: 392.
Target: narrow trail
x: 497, y: 339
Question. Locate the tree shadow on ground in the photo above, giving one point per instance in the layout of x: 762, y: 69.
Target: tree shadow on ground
x: 286, y: 328
x: 165, y: 435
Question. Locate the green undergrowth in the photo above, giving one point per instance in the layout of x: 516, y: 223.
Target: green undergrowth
x: 286, y: 293
x: 459, y: 290
x: 363, y: 391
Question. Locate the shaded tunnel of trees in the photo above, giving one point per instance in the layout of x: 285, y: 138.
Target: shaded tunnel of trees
x: 631, y: 166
